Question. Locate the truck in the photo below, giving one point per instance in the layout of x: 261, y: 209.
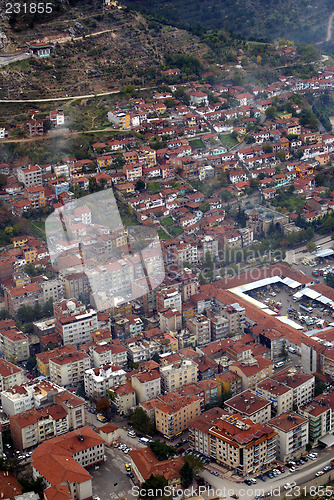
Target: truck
x: 306, y: 308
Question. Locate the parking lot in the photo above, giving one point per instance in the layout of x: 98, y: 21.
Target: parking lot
x: 279, y: 298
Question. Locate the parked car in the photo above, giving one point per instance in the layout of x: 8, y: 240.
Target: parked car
x: 327, y: 468
x: 319, y: 473
x: 214, y: 473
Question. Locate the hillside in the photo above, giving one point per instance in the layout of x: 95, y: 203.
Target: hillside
x: 105, y: 53
x: 300, y: 20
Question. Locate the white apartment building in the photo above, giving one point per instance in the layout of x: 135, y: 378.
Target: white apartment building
x: 30, y: 176
x: 301, y: 383
x: 69, y: 369
x: 292, y: 435
x: 279, y: 395
x: 52, y: 289
x: 177, y: 374
x: 10, y: 375
x: 74, y: 322
x: 248, y: 404
x: 147, y: 385
x: 99, y: 380
x: 105, y: 353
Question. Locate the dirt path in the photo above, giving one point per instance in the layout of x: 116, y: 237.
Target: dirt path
x: 329, y: 27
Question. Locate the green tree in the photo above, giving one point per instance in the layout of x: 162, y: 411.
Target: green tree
x: 187, y: 475
x: 270, y: 112
x: 140, y: 185
x: 141, y: 421
x: 152, y: 487
x: 31, y: 363
x: 320, y: 387
x: 311, y: 246
x: 162, y: 450
x: 224, y: 397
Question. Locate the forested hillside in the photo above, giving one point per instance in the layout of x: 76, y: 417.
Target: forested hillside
x: 301, y: 20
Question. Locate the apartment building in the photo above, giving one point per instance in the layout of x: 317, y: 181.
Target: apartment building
x: 125, y: 399
x: 10, y: 375
x: 199, y: 438
x: 66, y: 457
x: 75, y: 408
x: 36, y: 196
x: 14, y: 345
x: 292, y: 435
x: 252, y: 370
x: 241, y: 445
x: 52, y: 289
x: 169, y: 299
x: 98, y: 380
x: 76, y: 285
x: 279, y: 395
x: 147, y: 385
x: 142, y: 350
x: 104, y: 354
x: 69, y: 369
x: 301, y: 383
x: 219, y: 328
x: 248, y: 404
x: 230, y: 382
x: 43, y: 358
x: 20, y: 398
x: 31, y: 427
x: 174, y: 412
x: 177, y: 374
x: 29, y: 295
x: 319, y: 417
x: 208, y: 390
x: 74, y: 322
x: 170, y: 320
x: 30, y: 176
x: 235, y: 314
x: 200, y: 326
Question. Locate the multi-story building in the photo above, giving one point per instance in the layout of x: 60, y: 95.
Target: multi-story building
x: 74, y: 322
x: 219, y: 328
x: 241, y: 445
x: 61, y: 463
x: 36, y: 196
x: 69, y: 369
x: 169, y: 299
x: 31, y: 427
x: 76, y: 285
x: 43, y: 358
x: 20, y: 398
x: 75, y: 408
x: 200, y: 326
x: 30, y: 176
x: 248, y: 404
x: 319, y: 417
x: 177, y: 374
x: 170, y: 320
x: 174, y: 412
x: 279, y: 395
x: 199, y: 438
x: 208, y: 390
x: 301, y: 383
x: 143, y: 350
x: 235, y: 314
x: 125, y: 399
x: 52, y: 289
x: 29, y: 295
x: 230, y: 382
x: 99, y: 380
x: 292, y: 435
x: 252, y: 371
x: 104, y: 354
x: 239, y: 351
x: 147, y: 385
x: 10, y: 375
x: 14, y: 345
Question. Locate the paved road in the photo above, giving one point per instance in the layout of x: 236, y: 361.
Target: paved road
x: 4, y: 60
x: 305, y: 473
x: 296, y: 255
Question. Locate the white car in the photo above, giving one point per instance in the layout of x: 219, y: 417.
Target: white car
x: 287, y: 486
x: 253, y: 480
